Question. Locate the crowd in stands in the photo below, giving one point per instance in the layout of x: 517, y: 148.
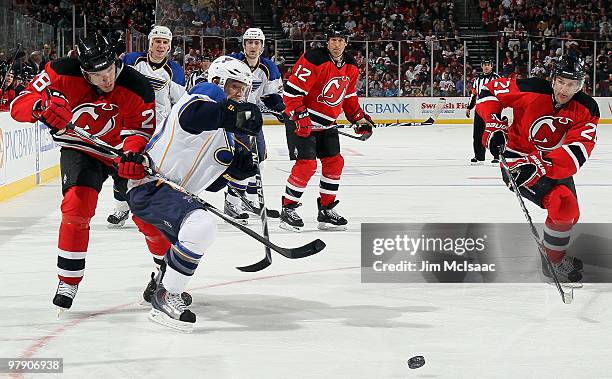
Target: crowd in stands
x: 400, y: 35
x: 392, y: 70
x: 204, y: 17
x: 99, y: 15
x: 516, y: 22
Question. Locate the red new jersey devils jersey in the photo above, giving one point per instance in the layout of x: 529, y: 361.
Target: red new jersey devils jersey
x: 128, y: 110
x: 323, y: 88
x: 566, y: 135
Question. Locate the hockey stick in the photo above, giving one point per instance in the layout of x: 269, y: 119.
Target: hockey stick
x: 361, y: 137
x: 272, y: 213
x: 566, y: 297
x: 430, y: 121
x: 277, y: 114
x: 267, y: 260
x: 11, y: 62
x: 309, y: 249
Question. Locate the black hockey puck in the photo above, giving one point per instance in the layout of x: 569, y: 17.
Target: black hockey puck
x: 416, y: 361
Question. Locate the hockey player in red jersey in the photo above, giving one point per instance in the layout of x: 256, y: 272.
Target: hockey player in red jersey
x: 111, y: 101
x: 552, y: 135
x: 10, y: 90
x: 322, y: 85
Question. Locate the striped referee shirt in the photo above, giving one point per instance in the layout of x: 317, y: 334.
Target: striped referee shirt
x: 479, y: 83
x: 196, y: 77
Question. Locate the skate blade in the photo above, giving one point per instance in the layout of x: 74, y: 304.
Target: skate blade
x: 143, y: 302
x: 476, y: 163
x: 284, y: 225
x: 60, y: 312
x: 331, y: 227
x: 571, y: 285
x: 115, y: 226
x: 163, y: 319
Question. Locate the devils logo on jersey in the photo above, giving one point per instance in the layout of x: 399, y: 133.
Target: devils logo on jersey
x: 548, y: 132
x: 334, y: 90
x: 98, y: 119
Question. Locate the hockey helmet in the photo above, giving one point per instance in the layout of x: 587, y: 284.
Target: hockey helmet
x: 225, y: 67
x: 160, y: 32
x: 116, y: 38
x: 253, y: 33
x: 570, y: 68
x: 336, y: 31
x: 95, y: 53
x: 487, y: 60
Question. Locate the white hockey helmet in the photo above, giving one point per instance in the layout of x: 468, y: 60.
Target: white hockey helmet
x: 160, y: 32
x: 226, y: 67
x: 254, y: 33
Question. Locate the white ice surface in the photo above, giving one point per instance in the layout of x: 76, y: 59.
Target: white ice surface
x: 312, y: 318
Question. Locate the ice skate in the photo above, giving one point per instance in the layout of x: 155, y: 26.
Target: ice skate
x: 64, y: 295
x: 150, y: 290
x: 476, y: 162
x: 170, y: 310
x: 233, y: 208
x: 290, y: 219
x: 328, y: 218
x: 117, y: 219
x: 568, y: 271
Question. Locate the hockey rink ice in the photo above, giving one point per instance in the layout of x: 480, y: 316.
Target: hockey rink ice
x: 313, y: 318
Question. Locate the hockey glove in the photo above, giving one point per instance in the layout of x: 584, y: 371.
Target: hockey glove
x: 363, y: 122
x: 303, y: 123
x: 242, y: 166
x: 131, y: 165
x: 242, y: 118
x: 529, y: 169
x: 275, y: 103
x: 54, y: 111
x: 494, y: 136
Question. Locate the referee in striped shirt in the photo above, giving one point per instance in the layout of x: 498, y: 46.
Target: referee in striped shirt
x: 479, y: 125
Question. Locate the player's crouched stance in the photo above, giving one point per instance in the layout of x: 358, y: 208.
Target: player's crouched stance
x: 194, y: 148
x: 552, y: 135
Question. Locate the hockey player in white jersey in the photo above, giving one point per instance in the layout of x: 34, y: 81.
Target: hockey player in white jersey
x: 266, y: 92
x: 195, y: 149
x: 167, y: 79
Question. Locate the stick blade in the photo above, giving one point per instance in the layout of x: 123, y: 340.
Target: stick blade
x: 365, y: 137
x: 258, y: 266
x: 307, y: 250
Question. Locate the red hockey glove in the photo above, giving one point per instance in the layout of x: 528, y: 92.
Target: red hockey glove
x: 528, y: 170
x: 363, y: 122
x: 303, y: 123
x: 494, y: 136
x: 54, y: 111
x: 131, y: 164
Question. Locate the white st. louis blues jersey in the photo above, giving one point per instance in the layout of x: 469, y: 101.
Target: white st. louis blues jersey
x: 266, y: 79
x: 166, y: 78
x: 189, y: 147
